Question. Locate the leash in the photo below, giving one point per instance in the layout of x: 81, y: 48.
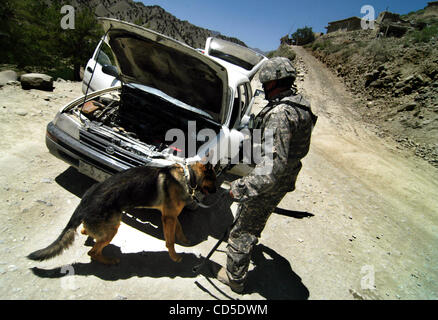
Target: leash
x: 197, y: 269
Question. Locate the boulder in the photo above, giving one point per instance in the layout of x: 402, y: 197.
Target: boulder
x: 36, y: 81
x: 7, y: 76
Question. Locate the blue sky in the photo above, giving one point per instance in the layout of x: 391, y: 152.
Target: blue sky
x: 261, y: 24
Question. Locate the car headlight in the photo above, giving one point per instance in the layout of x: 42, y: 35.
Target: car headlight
x: 67, y: 124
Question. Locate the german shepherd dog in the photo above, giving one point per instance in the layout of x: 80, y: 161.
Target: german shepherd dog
x: 102, y: 206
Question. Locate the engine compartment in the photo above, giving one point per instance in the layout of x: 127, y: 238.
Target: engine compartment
x: 144, y: 117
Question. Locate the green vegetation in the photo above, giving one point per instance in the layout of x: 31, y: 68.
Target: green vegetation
x: 303, y: 36
x: 32, y: 37
x: 425, y: 35
x: 283, y: 51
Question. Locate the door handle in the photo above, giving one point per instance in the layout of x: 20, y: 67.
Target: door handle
x: 89, y: 69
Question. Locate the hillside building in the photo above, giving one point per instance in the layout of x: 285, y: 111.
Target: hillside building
x: 349, y: 24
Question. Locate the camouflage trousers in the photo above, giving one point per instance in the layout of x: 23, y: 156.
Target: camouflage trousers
x: 244, y: 235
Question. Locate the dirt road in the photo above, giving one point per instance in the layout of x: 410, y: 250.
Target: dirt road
x: 362, y: 224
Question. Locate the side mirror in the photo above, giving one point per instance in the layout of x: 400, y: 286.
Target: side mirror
x: 258, y: 92
x: 111, y: 70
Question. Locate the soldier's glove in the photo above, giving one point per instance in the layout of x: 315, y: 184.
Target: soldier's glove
x: 233, y: 198
x: 228, y: 194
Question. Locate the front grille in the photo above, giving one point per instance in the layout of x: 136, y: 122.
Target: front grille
x: 108, y: 148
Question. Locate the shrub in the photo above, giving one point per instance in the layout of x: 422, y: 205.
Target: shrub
x: 303, y: 36
x: 284, y: 51
x: 424, y: 35
x: 321, y: 45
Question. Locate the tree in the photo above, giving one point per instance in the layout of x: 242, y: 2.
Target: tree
x: 77, y: 45
x: 303, y: 36
x: 36, y: 38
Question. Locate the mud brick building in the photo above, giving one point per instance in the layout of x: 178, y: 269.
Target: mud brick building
x: 349, y: 24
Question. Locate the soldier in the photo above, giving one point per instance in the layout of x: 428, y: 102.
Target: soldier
x: 291, y: 120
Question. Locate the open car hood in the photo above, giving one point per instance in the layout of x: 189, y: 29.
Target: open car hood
x: 149, y: 58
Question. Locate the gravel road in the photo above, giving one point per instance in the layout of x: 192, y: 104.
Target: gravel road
x: 362, y: 224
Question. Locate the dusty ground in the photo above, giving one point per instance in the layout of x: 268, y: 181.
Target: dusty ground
x: 362, y: 223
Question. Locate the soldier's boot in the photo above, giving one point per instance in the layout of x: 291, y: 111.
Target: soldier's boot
x: 223, y: 277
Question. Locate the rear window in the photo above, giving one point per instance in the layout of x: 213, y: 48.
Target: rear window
x: 234, y: 53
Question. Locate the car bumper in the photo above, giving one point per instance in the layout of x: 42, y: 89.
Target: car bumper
x: 80, y: 156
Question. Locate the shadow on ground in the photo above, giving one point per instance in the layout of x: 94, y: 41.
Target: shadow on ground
x: 272, y: 276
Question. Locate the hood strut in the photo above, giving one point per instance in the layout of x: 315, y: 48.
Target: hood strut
x: 92, y: 74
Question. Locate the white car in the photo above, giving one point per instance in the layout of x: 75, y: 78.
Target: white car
x: 99, y: 79
x: 165, y: 87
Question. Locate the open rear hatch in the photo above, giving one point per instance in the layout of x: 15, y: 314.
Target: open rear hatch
x: 247, y: 60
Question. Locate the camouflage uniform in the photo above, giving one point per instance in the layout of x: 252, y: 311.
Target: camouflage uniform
x: 290, y: 118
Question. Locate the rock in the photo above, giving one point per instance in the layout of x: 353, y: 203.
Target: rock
x: 44, y: 202
x: 371, y: 76
x: 21, y: 112
x: 7, y: 76
x: 12, y: 267
x: 407, y: 107
x: 36, y: 81
x: 408, y: 79
x: 356, y: 295
x: 419, y: 80
x: 377, y: 84
x: 399, y: 85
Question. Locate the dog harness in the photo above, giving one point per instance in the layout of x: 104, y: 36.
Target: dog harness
x: 190, y: 178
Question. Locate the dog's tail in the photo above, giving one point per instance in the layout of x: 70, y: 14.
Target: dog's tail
x: 64, y: 240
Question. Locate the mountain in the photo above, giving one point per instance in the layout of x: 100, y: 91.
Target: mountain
x: 152, y: 17
x: 259, y: 51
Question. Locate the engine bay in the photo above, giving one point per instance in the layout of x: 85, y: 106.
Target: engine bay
x: 143, y: 117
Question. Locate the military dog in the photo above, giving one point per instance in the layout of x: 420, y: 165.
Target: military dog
x: 167, y: 189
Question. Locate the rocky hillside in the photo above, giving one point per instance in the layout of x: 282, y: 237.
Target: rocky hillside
x: 397, y: 77
x: 152, y: 17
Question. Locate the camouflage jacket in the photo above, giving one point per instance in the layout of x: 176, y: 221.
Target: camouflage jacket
x: 291, y: 127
